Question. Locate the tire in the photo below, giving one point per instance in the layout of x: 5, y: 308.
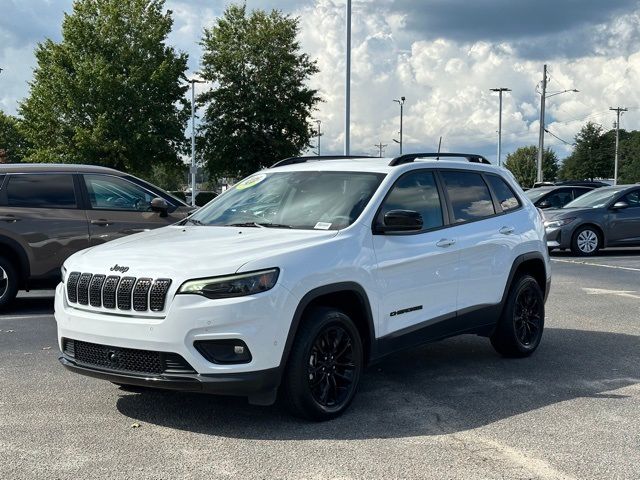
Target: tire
x: 586, y: 241
x: 324, y: 367
x: 8, y: 283
x: 521, y: 324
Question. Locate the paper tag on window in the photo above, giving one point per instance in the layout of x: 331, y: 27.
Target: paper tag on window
x: 322, y: 226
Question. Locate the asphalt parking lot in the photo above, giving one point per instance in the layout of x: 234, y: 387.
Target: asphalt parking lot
x: 451, y: 410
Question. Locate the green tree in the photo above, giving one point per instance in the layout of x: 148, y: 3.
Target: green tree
x: 629, y: 157
x: 12, y: 141
x: 109, y: 93
x: 523, y: 164
x: 259, y: 108
x: 592, y: 156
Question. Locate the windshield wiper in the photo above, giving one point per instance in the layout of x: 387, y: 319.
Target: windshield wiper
x: 194, y: 222
x: 258, y: 225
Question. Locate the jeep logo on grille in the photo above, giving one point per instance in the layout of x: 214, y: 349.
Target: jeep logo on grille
x: 118, y: 268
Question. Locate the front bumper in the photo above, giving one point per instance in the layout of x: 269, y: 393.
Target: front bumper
x: 259, y: 386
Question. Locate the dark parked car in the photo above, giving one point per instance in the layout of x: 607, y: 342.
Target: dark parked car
x: 555, y: 197
x: 48, y: 212
x: 606, y: 217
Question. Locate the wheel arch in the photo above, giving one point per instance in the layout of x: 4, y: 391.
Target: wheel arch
x: 350, y: 298
x: 533, y: 264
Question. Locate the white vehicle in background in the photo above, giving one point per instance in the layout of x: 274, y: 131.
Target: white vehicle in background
x: 301, y: 275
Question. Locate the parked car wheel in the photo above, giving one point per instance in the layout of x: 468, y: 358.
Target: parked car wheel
x: 324, y: 367
x: 520, y: 327
x: 8, y: 282
x: 586, y: 241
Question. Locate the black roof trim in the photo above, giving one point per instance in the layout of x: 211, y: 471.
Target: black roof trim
x: 311, y: 158
x: 411, y: 157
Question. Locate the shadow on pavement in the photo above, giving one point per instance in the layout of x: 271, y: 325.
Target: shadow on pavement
x: 451, y: 386
x: 40, y: 303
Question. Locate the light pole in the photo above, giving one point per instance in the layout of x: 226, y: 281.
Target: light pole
x: 500, y: 90
x: 319, y: 122
x: 347, y: 89
x: 401, y: 103
x: 194, y: 168
x: 543, y: 98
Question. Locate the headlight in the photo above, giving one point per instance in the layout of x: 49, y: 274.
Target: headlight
x: 63, y: 273
x: 232, y: 285
x: 558, y: 223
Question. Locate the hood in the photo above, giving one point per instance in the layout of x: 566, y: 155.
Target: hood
x: 191, y: 251
x: 554, y: 214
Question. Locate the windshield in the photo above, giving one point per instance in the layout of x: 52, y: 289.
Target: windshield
x: 535, y: 193
x: 303, y: 200
x: 594, y: 199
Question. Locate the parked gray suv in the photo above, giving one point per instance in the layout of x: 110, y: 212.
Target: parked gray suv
x: 48, y: 212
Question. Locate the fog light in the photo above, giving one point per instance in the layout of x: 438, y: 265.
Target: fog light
x: 225, y: 351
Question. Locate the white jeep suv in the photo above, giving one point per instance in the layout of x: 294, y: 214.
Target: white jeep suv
x: 303, y: 274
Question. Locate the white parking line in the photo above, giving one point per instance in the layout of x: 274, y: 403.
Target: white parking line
x: 596, y: 264
x: 619, y: 293
x: 18, y: 317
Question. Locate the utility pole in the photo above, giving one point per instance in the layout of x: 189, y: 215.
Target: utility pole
x: 500, y: 90
x: 380, y: 146
x: 319, y: 122
x: 401, y: 103
x: 618, y: 111
x: 194, y: 168
x: 541, y: 134
x: 347, y: 90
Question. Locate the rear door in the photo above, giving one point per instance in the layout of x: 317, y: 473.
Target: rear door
x: 117, y: 207
x: 41, y: 211
x: 417, y: 272
x: 624, y: 225
x: 487, y: 230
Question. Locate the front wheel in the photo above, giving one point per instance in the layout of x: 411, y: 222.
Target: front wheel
x: 8, y: 282
x: 520, y: 327
x: 586, y: 241
x: 324, y: 367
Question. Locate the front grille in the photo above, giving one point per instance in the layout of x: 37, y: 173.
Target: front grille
x: 128, y: 360
x: 141, y: 294
x: 83, y: 288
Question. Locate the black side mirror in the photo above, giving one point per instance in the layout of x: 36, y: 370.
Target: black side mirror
x: 401, y: 221
x: 620, y: 205
x: 159, y: 205
x: 544, y: 204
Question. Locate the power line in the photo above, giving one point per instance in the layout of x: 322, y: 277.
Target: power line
x: 558, y: 138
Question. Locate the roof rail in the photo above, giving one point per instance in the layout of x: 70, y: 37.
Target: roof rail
x: 471, y: 157
x: 311, y: 158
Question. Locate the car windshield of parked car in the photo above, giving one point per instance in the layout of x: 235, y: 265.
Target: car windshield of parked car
x: 594, y: 199
x: 302, y: 200
x: 535, y: 193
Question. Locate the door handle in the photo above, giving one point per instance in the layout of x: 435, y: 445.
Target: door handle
x: 8, y: 218
x: 507, y: 230
x: 101, y: 222
x: 445, y: 242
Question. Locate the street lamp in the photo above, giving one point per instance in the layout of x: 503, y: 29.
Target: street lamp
x: 194, y: 169
x: 347, y: 88
x: 500, y: 90
x: 543, y: 97
x: 401, y: 103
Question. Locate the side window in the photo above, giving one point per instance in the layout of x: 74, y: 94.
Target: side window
x: 469, y: 196
x: 415, y: 191
x: 577, y: 192
x: 633, y: 199
x: 41, y: 191
x: 560, y: 198
x: 1, y: 180
x: 113, y: 193
x: 506, y: 197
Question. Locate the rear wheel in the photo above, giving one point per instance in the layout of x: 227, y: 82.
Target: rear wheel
x: 324, y: 367
x: 8, y: 282
x: 519, y: 330
x: 586, y: 241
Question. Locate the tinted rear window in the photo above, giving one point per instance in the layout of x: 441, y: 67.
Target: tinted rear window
x: 506, y: 197
x: 469, y: 196
x: 41, y: 191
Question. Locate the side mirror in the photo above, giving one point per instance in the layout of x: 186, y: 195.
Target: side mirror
x: 620, y: 205
x: 159, y: 205
x: 401, y: 221
x: 544, y: 204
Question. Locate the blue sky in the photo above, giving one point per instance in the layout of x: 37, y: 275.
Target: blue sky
x: 443, y: 55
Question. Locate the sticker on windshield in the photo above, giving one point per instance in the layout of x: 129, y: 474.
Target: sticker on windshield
x: 322, y: 226
x: 251, y: 181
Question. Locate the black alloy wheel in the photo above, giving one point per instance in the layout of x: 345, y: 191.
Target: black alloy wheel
x: 528, y: 316
x: 324, y: 366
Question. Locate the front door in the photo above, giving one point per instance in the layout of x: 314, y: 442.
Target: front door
x: 118, y: 207
x: 624, y: 224
x: 416, y: 271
